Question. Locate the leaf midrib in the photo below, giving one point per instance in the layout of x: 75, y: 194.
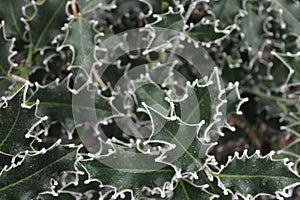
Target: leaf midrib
x: 183, y: 147
x: 46, y: 27
x: 12, y: 14
x: 195, y: 108
x: 186, y: 194
x: 87, y: 6
x: 127, y: 170
x: 154, y: 100
x: 3, y: 70
x: 245, y: 176
x: 223, y: 8
x: 43, y: 103
x: 174, y: 24
x: 81, y: 36
x: 33, y: 174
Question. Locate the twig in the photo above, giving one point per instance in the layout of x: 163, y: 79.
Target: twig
x: 74, y: 8
x: 20, y: 79
x: 99, y: 80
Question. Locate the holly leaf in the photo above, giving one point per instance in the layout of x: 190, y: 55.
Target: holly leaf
x: 249, y: 177
x: 151, y: 95
x: 188, y: 191
x: 197, y: 105
x: 202, y: 180
x: 289, y: 14
x: 82, y: 189
x: 72, y: 185
x: 46, y: 22
x: 6, y: 53
x: 166, y: 27
x: 207, y: 32
x: 11, y: 12
x: 144, y: 91
x: 205, y: 100
x: 80, y: 38
x: 234, y: 99
x: 226, y: 11
x: 191, y: 160
x: 57, y: 96
x: 184, y: 151
x: 170, y: 20
x: 36, y: 173
x: 17, y: 124
x: 128, y: 165
x: 91, y: 5
x: 292, y: 150
x: 252, y: 29
x: 289, y: 62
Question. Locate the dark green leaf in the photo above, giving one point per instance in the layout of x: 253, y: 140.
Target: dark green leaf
x: 234, y: 100
x: 47, y: 22
x: 170, y: 20
x: 152, y: 95
x: 205, y: 100
x: 80, y: 37
x: 185, y: 151
x: 128, y: 169
x: 251, y: 176
x: 11, y: 12
x: 289, y: 10
x: 87, y: 6
x: 213, y: 187
x: 206, y: 32
x: 187, y: 191
x: 35, y: 173
x: 169, y: 25
x: 6, y: 64
x: 17, y: 124
x: 226, y: 11
x: 292, y: 150
x: 6, y: 52
x: 252, y: 29
x: 56, y: 102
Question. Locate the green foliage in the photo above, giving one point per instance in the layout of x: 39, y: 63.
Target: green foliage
x: 249, y: 177
x: 33, y: 175
x: 88, y: 112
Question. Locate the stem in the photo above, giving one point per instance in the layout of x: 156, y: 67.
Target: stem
x: 74, y: 8
x: 23, y: 71
x: 20, y: 79
x: 275, y: 98
x: 98, y: 79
